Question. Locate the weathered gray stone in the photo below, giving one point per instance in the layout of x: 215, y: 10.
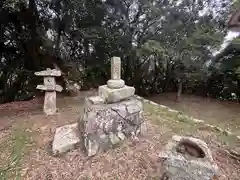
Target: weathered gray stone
x: 183, y: 163
x: 115, y: 83
x: 197, y: 120
x: 129, y: 130
x: 92, y: 147
x: 115, y: 95
x: 49, y: 81
x: 134, y: 107
x: 134, y: 119
x: 96, y: 100
x: 108, y: 124
x: 116, y: 68
x: 238, y: 137
x: 114, y: 138
x: 48, y: 72
x: 121, y: 135
x: 65, y: 139
x: 143, y: 129
x: 112, y: 116
x: 121, y: 110
x: 50, y: 87
x: 50, y: 103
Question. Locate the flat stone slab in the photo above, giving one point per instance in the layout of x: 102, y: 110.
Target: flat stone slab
x: 50, y: 88
x: 115, y: 95
x: 187, y: 158
x: 96, y: 100
x: 65, y: 139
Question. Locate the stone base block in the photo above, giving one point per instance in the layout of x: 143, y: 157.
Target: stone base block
x: 106, y: 125
x: 187, y: 158
x: 115, y: 95
x: 65, y: 139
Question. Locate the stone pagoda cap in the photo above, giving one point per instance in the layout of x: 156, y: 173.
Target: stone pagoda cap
x: 48, y: 72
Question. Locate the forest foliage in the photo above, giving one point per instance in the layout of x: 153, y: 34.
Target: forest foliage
x: 165, y: 45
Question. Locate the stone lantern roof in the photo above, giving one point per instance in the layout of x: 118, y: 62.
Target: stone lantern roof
x: 49, y: 72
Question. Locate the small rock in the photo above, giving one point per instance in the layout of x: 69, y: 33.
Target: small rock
x: 65, y: 139
x: 162, y: 106
x: 197, y: 120
x: 92, y: 147
x: 114, y: 139
x: 143, y: 129
x: 209, y: 125
x: 222, y: 177
x: 172, y: 110
x: 153, y: 103
x: 218, y: 129
x: 238, y: 137
x: 228, y: 133
x: 121, y: 135
x: 96, y: 100
x: 134, y: 138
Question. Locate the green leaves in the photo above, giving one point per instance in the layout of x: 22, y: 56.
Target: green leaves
x: 151, y: 47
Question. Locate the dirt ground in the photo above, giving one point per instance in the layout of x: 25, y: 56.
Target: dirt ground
x: 26, y: 134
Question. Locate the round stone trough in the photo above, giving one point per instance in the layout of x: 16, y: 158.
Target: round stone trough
x: 187, y: 158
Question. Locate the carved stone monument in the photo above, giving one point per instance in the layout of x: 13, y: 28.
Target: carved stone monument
x: 115, y: 82
x: 112, y: 116
x: 115, y: 90
x: 50, y: 87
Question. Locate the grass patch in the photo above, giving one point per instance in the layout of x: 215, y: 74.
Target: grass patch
x: 180, y: 124
x: 176, y: 121
x: 12, y: 153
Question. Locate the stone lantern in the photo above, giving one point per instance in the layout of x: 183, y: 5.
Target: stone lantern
x: 50, y: 87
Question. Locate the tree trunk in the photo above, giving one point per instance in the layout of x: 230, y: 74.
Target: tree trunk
x: 179, y: 90
x: 70, y: 88
x: 238, y: 90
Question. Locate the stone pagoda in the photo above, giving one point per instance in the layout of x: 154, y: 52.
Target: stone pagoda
x: 112, y: 116
x: 50, y: 87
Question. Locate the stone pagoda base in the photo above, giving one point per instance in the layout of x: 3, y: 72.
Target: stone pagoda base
x: 106, y: 125
x: 115, y: 95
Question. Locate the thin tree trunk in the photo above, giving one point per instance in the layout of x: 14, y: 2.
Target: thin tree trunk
x: 70, y: 88
x: 179, y: 90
